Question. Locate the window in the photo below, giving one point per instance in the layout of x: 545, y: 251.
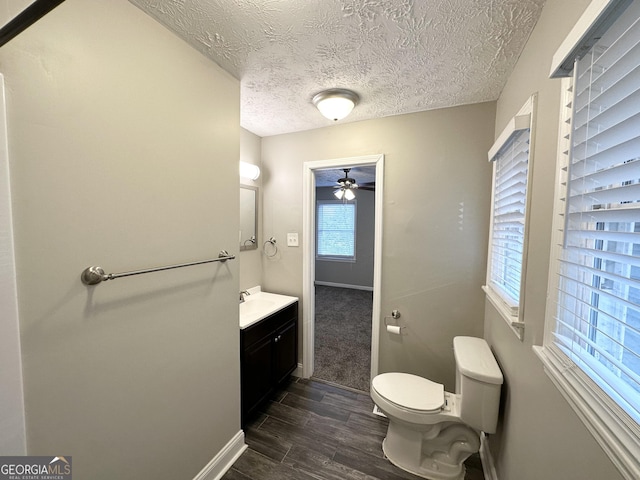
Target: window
x: 592, y: 339
x: 510, y: 155
x: 336, y: 230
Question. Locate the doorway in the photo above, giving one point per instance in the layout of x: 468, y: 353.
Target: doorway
x: 309, y: 255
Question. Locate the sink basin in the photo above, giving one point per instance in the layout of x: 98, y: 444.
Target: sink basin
x: 250, y: 307
x: 260, y: 305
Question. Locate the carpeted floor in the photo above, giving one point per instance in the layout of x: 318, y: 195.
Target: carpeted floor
x: 343, y: 336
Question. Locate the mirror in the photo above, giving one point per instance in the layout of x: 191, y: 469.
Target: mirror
x: 248, y: 217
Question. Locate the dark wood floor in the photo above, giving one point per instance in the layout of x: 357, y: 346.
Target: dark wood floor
x: 313, y: 430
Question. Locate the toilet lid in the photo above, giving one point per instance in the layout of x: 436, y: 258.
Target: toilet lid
x: 410, y: 391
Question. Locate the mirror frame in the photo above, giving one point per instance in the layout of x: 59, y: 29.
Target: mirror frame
x: 253, y: 245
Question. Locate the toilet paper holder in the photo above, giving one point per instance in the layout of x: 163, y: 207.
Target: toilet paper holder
x: 394, y: 326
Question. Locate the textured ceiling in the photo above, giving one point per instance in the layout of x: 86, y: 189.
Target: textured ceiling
x: 329, y: 177
x: 400, y: 56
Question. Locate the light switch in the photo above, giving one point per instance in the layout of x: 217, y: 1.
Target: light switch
x: 292, y: 239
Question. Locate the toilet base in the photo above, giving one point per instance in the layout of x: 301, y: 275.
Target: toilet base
x: 436, y: 452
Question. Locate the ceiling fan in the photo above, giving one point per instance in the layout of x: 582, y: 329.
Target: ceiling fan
x: 347, y: 185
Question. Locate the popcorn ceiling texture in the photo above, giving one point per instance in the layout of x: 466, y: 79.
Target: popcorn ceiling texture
x: 400, y: 56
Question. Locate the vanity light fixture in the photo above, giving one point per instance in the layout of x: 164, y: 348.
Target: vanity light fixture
x: 250, y: 171
x: 335, y: 103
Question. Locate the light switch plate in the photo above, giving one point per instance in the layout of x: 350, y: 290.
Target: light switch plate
x: 292, y: 239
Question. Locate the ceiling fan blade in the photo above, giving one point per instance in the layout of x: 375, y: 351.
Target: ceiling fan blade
x: 373, y: 188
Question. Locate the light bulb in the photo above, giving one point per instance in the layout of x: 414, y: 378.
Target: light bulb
x: 247, y: 170
x: 335, y: 108
x: 349, y: 195
x: 335, y: 103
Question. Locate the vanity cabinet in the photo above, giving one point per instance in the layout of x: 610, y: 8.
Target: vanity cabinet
x: 269, y: 354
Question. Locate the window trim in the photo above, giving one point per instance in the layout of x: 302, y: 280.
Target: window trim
x: 612, y: 428
x: 338, y: 258
x: 617, y: 438
x: 512, y: 313
x: 595, y: 20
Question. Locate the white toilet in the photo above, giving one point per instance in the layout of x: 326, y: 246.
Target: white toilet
x: 432, y: 432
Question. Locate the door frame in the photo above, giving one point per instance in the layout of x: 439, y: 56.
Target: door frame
x: 309, y: 249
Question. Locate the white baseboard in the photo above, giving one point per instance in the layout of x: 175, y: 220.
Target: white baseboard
x: 344, y: 285
x: 488, y: 467
x: 225, y: 458
x: 298, y: 371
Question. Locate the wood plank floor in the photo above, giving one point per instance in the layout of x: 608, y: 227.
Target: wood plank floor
x: 317, y: 431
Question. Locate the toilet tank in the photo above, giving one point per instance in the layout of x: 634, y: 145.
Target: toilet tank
x: 478, y: 382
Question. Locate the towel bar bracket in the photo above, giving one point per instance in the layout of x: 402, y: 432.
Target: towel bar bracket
x: 94, y: 275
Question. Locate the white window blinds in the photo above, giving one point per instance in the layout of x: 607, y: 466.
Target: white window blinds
x: 511, y: 156
x: 597, y: 319
x: 336, y: 223
x: 508, y: 221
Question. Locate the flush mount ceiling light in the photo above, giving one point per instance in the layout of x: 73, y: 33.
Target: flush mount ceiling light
x: 335, y: 103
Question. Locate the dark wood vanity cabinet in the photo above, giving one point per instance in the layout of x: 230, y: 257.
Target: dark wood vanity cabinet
x: 269, y: 354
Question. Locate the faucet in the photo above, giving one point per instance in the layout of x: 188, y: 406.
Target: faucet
x: 242, y: 294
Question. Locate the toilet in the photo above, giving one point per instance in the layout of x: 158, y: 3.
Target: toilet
x: 432, y: 432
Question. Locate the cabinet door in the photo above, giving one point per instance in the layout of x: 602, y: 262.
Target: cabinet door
x: 285, y: 355
x: 257, y: 374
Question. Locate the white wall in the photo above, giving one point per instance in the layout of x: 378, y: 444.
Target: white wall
x: 539, y: 436
x: 124, y: 147
x: 9, y: 9
x: 437, y: 183
x: 12, y: 422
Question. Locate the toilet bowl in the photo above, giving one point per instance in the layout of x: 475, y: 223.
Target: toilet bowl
x: 432, y: 432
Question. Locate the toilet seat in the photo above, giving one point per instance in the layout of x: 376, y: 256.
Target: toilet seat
x: 410, y: 392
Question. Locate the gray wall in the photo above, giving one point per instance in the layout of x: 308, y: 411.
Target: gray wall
x: 124, y: 147
x: 360, y: 272
x: 539, y: 436
x: 435, y: 223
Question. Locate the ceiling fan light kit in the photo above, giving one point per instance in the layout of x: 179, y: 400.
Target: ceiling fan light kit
x: 346, y: 185
x: 335, y: 103
x: 346, y: 193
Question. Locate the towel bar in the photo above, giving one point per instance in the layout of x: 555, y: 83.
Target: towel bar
x: 94, y: 275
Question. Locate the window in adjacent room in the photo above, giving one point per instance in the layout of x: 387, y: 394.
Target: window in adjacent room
x: 336, y: 230
x: 511, y: 157
x: 592, y: 337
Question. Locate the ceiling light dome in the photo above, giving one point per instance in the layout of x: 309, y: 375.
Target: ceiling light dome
x: 335, y: 103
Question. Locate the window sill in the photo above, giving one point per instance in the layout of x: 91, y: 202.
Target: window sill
x: 619, y: 440
x: 329, y: 258
x: 505, y: 312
